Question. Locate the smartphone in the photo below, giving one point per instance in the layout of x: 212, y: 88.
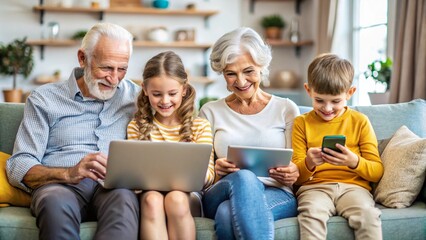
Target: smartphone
x: 330, y: 141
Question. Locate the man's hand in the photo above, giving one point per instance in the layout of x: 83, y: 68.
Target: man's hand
x: 285, y: 175
x: 91, y: 166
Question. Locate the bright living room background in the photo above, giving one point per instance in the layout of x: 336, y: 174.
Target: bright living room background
x: 361, y: 35
x: 365, y: 31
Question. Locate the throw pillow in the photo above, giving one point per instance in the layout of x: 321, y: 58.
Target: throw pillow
x: 10, y: 195
x: 404, y: 162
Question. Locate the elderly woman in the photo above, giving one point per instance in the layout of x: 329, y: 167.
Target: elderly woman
x: 243, y: 205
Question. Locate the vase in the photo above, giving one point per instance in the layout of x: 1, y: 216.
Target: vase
x: 273, y: 33
x: 13, y: 95
x: 158, y: 34
x: 285, y: 79
x: 160, y: 4
x: 294, y: 35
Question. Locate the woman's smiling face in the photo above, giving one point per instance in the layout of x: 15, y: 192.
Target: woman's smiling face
x: 243, y: 76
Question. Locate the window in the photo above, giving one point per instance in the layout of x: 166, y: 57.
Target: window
x: 370, y: 43
x: 363, y: 25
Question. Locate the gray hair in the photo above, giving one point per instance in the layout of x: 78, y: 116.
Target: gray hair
x: 104, y: 29
x: 236, y: 43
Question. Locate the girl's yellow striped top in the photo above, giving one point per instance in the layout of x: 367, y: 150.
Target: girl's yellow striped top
x: 201, y: 133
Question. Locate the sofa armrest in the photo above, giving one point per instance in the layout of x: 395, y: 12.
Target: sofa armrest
x: 11, y: 117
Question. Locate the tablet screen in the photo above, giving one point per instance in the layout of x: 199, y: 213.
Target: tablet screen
x: 259, y: 159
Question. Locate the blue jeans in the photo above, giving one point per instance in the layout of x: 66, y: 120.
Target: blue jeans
x: 244, y: 208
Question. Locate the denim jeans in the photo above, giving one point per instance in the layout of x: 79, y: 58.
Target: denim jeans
x: 244, y: 208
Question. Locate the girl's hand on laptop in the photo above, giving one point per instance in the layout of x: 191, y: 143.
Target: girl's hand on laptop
x: 223, y: 167
x: 285, y: 175
x: 92, y: 166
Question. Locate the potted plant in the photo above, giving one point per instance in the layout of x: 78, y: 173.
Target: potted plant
x: 79, y: 35
x: 15, y: 58
x: 380, y: 71
x: 273, y: 25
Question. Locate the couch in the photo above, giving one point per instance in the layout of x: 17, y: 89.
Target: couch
x: 403, y: 223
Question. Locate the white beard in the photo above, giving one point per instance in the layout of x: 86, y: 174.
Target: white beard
x: 93, y: 86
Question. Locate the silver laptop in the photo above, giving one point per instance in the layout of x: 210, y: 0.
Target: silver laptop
x: 259, y: 159
x: 161, y: 166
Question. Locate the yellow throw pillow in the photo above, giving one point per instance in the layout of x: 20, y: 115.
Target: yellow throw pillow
x: 10, y: 195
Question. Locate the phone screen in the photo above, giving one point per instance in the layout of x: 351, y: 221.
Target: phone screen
x: 331, y: 140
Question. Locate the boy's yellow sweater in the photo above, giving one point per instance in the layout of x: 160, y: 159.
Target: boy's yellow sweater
x: 308, y: 131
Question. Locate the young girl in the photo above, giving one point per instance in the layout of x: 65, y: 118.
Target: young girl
x: 166, y: 113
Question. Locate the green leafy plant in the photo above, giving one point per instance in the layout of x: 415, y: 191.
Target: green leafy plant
x: 380, y: 71
x: 16, y: 58
x: 79, y: 35
x: 273, y: 21
x: 205, y: 100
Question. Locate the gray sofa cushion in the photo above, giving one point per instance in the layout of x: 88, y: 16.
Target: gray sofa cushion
x: 18, y: 223
x: 388, y: 118
x: 408, y: 223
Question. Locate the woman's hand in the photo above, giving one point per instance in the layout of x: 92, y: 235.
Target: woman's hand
x: 223, y: 167
x: 285, y: 175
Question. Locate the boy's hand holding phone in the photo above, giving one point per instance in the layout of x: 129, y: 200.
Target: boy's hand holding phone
x: 313, y: 158
x: 335, y: 152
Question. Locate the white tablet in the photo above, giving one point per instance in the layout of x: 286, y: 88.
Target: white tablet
x: 259, y: 159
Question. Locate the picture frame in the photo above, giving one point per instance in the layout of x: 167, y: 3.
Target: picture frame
x: 187, y: 35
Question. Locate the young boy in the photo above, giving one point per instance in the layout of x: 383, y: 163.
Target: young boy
x: 333, y: 183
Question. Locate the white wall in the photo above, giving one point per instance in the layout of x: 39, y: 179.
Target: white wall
x: 17, y: 20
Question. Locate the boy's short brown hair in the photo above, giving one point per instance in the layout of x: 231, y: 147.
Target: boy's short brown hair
x: 329, y: 74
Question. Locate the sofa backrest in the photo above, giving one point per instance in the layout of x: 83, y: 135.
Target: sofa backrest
x: 387, y: 118
x: 10, y: 119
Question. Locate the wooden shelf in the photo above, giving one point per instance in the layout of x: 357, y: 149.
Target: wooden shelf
x: 124, y: 10
x: 154, y: 11
x: 149, y: 44
x: 181, y: 44
x: 285, y: 43
x: 69, y: 42
x: 138, y: 10
x: 129, y: 10
x: 69, y: 10
x: 297, y: 6
x: 53, y: 43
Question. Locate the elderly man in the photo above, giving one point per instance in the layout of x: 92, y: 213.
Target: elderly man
x: 60, y: 148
